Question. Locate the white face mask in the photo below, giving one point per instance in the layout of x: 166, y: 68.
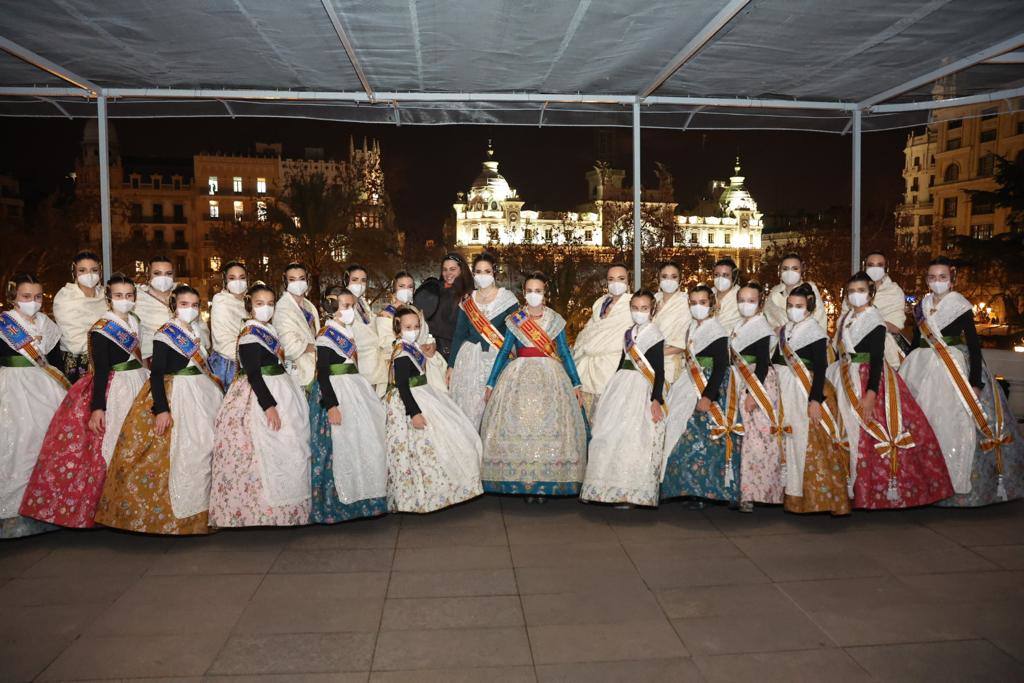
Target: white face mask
x: 122, y: 305
x: 263, y: 313
x: 640, y: 317
x: 410, y: 336
x: 347, y: 315
x: 939, y: 287
x: 722, y: 283
x: 858, y: 299
x: 483, y: 280
x: 699, y: 311
x: 89, y: 280
x: 747, y: 308
x: 237, y: 286
x: 298, y: 287
x: 669, y: 286
x: 534, y: 298
x: 357, y: 289
x: 796, y: 314
x: 790, y: 277
x: 404, y: 295
x: 188, y: 314
x: 29, y: 308
x: 617, y: 288
x: 876, y: 273
x: 162, y: 283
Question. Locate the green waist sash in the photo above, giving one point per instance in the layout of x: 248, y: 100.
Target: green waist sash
x: 627, y: 364
x: 859, y: 357
x: 346, y: 369
x: 950, y: 341
x: 132, y: 364
x: 705, y: 361
x: 414, y: 381
x: 18, y: 361
x: 748, y: 358
x: 187, y: 371
x: 271, y: 370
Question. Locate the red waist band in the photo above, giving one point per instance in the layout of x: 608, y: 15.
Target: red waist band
x: 531, y: 352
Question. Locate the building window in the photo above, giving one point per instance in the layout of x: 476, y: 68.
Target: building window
x: 931, y: 181
x: 236, y: 184
x: 179, y: 240
x: 952, y: 143
x: 917, y: 162
x: 989, y: 114
x: 261, y: 211
x: 239, y: 210
x: 261, y: 186
x: 158, y: 213
x: 693, y: 238
x: 914, y: 186
x: 214, y: 209
x: 988, y: 135
x: 926, y: 219
x: 180, y: 266
x: 588, y: 235
x: 137, y: 212
x: 949, y: 206
x: 176, y: 183
x: 179, y: 213
x: 925, y: 239
x: 953, y: 125
x: 728, y: 237
x: 981, y: 231
x: 987, y: 165
x: 157, y: 182
x: 214, y: 186
x: 476, y: 234
x: 549, y: 235
x: 1020, y: 127
x: 981, y: 205
x: 215, y: 263
x: 528, y: 235
x: 158, y: 236
x: 952, y: 173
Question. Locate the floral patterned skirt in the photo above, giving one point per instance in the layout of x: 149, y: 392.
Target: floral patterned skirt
x: 825, y: 469
x: 326, y: 507
x: 236, y: 493
x: 136, y: 495
x: 701, y: 466
x: 761, y: 469
x: 67, y: 481
x: 919, y: 475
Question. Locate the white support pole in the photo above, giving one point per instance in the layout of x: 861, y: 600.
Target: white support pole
x: 101, y: 105
x: 637, y: 195
x: 855, y: 211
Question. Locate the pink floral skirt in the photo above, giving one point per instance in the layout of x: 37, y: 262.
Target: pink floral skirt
x: 762, y: 479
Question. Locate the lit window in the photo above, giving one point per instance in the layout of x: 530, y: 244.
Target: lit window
x: 261, y: 211
x: 528, y: 235
x: 264, y: 260
x: 236, y: 184
x: 213, y: 184
x: 549, y: 234
x: 214, y: 209
x: 239, y: 210
x: 297, y: 221
x: 728, y: 238
x: 261, y: 185
x: 476, y: 234
x: 949, y: 207
x: 588, y: 235
x: 693, y: 237
x: 215, y: 263
x: 140, y: 266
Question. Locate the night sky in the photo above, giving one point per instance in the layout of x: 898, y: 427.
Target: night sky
x: 426, y: 166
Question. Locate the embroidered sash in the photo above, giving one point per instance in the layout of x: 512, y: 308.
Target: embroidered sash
x: 482, y: 323
x: 779, y: 428
x: 18, y: 338
x: 605, y: 305
x: 310, y: 318
x: 361, y: 309
x: 828, y: 420
x: 723, y: 424
x: 389, y: 310
x: 344, y: 344
x: 113, y: 330
x: 417, y: 357
x: 994, y: 437
x: 188, y: 347
x: 535, y: 333
x: 890, y: 437
x: 266, y: 338
x: 640, y: 361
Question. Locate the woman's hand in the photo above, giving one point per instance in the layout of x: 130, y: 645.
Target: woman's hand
x: 162, y: 422
x: 749, y: 404
x: 97, y: 421
x: 429, y: 350
x: 448, y: 377
x: 656, y: 413
x: 334, y: 415
x: 867, y: 405
x: 977, y: 392
x: 419, y: 422
x: 814, y: 411
x: 704, y: 404
x: 487, y: 394
x: 273, y: 419
x: 310, y: 348
x: 579, y: 395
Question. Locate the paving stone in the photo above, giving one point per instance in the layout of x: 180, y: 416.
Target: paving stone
x: 741, y: 600
x: 966, y: 660
x: 295, y: 653
x: 788, y: 629
x: 505, y: 674
x: 605, y: 607
x: 337, y: 615
x: 456, y: 612
x: 332, y: 561
x: 453, y: 558
x: 322, y: 586
x: 452, y: 583
x: 807, y: 666
x: 134, y: 656
x: 61, y: 591
x: 451, y: 648
x: 560, y: 644
x: 679, y: 670
x: 199, y: 561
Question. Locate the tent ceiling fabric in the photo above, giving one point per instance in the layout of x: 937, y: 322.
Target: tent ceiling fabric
x: 832, y: 51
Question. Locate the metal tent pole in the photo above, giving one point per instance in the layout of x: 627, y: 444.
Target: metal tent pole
x: 637, y: 229
x: 101, y: 105
x: 855, y: 211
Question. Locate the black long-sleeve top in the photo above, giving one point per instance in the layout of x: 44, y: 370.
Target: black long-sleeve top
x: 165, y: 361
x: 105, y: 355
x: 817, y: 353
x: 718, y: 352
x: 442, y: 323
x: 761, y: 351
x: 404, y: 370
x: 55, y: 357
x: 325, y: 358
x: 656, y: 357
x: 252, y: 357
x: 963, y: 326
x: 873, y: 343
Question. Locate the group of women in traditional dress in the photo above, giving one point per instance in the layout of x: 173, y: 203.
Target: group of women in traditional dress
x: 725, y: 392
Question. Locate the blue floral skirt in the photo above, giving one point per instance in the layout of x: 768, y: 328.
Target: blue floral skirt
x: 697, y: 463
x: 326, y: 507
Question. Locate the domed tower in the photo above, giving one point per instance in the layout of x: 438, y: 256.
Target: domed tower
x: 87, y: 167
x: 490, y: 211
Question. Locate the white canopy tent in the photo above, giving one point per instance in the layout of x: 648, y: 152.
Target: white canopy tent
x: 814, y: 65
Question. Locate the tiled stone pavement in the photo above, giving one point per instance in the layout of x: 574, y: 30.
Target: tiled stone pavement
x: 497, y: 590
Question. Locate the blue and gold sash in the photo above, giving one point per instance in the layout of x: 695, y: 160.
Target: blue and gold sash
x: 183, y: 343
x: 310, y: 318
x: 18, y: 338
x: 390, y: 310
x: 361, y: 309
x: 605, y: 305
x: 344, y: 344
x: 113, y: 330
x: 267, y: 339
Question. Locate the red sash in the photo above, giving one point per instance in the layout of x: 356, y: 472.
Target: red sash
x: 482, y: 324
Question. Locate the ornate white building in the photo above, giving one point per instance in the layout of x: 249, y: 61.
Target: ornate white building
x: 492, y: 212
